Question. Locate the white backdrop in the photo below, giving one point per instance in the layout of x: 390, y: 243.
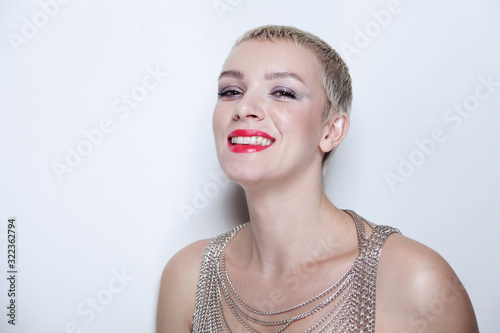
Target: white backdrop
x: 108, y: 164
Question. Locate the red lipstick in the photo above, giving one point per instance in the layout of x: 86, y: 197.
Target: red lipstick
x: 244, y: 143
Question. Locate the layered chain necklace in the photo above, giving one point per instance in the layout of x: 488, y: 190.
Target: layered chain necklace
x: 348, y: 304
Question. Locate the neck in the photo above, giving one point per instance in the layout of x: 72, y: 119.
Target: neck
x: 290, y: 222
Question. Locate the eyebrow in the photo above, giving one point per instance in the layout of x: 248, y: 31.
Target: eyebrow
x: 282, y: 75
x: 268, y: 76
x: 234, y: 74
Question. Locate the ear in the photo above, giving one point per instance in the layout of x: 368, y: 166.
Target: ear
x: 334, y: 132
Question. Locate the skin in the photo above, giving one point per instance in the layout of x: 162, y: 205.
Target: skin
x: 298, y: 242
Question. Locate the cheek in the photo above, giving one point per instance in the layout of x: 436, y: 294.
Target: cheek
x: 302, y: 125
x: 217, y: 121
x: 221, y: 120
x: 302, y: 133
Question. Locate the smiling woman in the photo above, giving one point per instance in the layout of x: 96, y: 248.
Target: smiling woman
x: 300, y: 264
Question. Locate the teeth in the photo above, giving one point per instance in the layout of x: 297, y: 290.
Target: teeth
x: 250, y: 140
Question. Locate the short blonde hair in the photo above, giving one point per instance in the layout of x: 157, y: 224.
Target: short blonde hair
x: 336, y: 79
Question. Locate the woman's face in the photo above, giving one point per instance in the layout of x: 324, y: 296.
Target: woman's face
x: 268, y: 118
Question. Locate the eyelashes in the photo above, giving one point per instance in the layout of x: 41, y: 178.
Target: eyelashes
x: 228, y: 93
x: 280, y: 93
x: 284, y: 93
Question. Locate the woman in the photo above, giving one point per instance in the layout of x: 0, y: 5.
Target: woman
x: 301, y: 264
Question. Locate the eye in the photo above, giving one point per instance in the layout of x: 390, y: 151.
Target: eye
x: 229, y: 92
x: 284, y: 93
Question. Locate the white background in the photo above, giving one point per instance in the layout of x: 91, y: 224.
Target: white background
x: 119, y: 211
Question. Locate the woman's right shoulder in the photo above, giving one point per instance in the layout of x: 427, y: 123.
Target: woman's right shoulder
x: 188, y: 257
x: 178, y: 286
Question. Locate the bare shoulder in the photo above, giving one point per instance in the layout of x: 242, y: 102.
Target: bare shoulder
x: 178, y: 289
x: 418, y: 291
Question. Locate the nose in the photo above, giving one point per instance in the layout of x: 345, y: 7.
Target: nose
x: 249, y: 107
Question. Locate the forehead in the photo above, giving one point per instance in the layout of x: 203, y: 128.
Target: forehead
x: 257, y: 56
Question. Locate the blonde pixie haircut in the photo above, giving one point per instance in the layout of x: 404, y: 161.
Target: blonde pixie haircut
x: 336, y: 79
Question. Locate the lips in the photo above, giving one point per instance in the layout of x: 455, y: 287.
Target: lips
x: 249, y: 141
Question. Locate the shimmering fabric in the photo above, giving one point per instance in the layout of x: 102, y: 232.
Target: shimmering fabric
x: 348, y: 304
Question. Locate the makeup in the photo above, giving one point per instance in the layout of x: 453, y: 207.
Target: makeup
x: 249, y: 141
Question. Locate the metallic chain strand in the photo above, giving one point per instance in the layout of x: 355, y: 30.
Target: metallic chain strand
x: 349, y: 302
x: 315, y: 309
x: 225, y: 277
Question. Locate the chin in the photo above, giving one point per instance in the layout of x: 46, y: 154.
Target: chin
x: 244, y: 175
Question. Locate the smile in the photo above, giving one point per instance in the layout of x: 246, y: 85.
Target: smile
x: 252, y: 140
x: 249, y: 141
